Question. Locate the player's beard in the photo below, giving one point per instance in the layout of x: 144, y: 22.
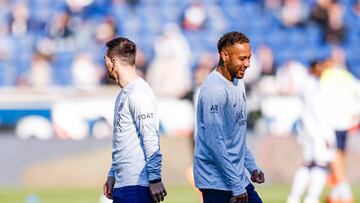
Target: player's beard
x: 240, y: 74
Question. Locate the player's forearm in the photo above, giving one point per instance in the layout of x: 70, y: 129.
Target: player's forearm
x: 153, y: 165
x: 152, y: 153
x: 250, y: 163
x: 111, y: 171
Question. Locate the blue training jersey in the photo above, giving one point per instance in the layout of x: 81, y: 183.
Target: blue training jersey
x: 136, y: 157
x: 221, y: 155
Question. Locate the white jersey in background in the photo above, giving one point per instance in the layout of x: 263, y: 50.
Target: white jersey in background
x: 318, y: 136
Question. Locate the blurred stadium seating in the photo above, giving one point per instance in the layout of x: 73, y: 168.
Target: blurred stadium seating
x: 61, y: 30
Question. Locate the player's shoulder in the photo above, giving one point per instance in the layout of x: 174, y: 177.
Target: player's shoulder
x: 214, y: 83
x: 141, y: 92
x: 213, y: 92
x: 140, y: 86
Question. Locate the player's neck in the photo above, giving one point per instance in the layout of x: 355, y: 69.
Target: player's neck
x: 225, y: 72
x: 126, y: 76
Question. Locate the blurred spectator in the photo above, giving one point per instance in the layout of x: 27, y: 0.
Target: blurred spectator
x: 169, y: 72
x: 271, y: 5
x: 85, y: 73
x: 19, y: 19
x: 266, y: 85
x: 60, y: 27
x: 104, y: 32
x: 194, y: 17
x: 206, y: 63
x: 141, y: 63
x: 40, y: 74
x: 290, y: 78
x: 319, y: 12
x: 61, y: 31
x: 293, y: 13
x: 335, y: 32
x: 266, y: 59
x: 329, y: 15
x: 92, y: 39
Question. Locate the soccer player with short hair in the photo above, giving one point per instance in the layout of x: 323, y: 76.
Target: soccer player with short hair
x: 135, y: 174
x: 221, y: 156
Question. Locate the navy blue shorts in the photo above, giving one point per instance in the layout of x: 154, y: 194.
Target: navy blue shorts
x: 222, y: 196
x: 132, y: 194
x: 341, y: 140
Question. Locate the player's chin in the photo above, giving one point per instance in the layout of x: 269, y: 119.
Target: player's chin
x: 240, y: 75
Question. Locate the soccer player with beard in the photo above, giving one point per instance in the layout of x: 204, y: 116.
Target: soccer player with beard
x: 221, y: 156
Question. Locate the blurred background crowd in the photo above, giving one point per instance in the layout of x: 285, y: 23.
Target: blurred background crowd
x: 61, y: 42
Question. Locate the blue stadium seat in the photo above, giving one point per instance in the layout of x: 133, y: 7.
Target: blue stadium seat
x: 276, y: 38
x: 62, y: 68
x: 314, y: 34
x: 353, y: 58
x: 8, y: 73
x: 171, y: 14
x: 355, y: 70
x: 229, y: 3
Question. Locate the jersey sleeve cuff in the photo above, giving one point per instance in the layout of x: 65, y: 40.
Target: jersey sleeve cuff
x: 253, y: 167
x: 111, y: 174
x: 155, y: 181
x: 238, y: 190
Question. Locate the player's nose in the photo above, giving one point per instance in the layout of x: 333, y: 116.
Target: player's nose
x: 247, y: 63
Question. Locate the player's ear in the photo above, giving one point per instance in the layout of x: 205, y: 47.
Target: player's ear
x: 113, y: 61
x: 224, y: 55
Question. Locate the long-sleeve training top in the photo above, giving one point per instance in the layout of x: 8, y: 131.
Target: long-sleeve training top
x: 136, y: 157
x: 221, y: 155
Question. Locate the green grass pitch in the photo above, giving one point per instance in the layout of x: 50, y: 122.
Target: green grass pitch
x: 176, y: 194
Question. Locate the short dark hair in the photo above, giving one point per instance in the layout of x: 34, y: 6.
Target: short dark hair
x: 231, y: 38
x: 122, y: 48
